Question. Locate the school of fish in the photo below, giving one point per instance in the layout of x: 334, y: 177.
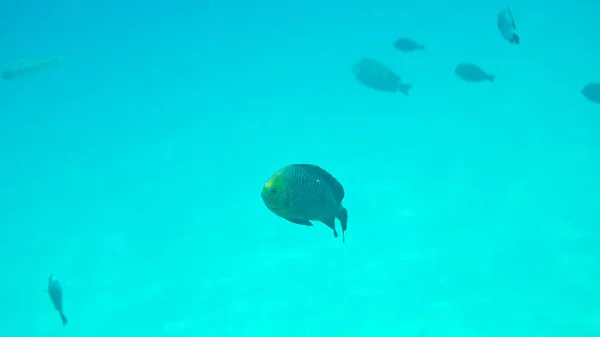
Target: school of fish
x: 377, y: 76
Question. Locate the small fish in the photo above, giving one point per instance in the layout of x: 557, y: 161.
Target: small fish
x: 472, y: 73
x: 30, y: 67
x: 56, y: 295
x: 407, y: 45
x: 592, y: 92
x: 507, y: 26
x: 376, y: 75
x: 300, y: 193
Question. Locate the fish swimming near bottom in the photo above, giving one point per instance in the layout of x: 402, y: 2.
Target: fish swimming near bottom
x: 301, y: 193
x: 56, y: 295
x: 376, y: 75
x: 30, y: 67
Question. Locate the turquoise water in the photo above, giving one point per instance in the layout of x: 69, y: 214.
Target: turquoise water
x: 133, y: 172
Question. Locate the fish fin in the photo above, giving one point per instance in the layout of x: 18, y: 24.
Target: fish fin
x: 343, y: 216
x: 63, y: 318
x: 336, y: 187
x: 300, y: 222
x: 512, y: 18
x: 491, y: 78
x: 516, y: 39
x: 331, y: 224
x: 404, y: 88
x: 421, y: 46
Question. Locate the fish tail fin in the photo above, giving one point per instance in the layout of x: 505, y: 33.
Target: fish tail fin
x: 491, y: 78
x: 516, y: 39
x: 404, y: 88
x: 422, y: 47
x: 343, y: 216
x: 63, y: 318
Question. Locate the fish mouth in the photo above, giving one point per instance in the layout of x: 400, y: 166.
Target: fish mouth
x: 269, y: 206
x: 272, y: 208
x: 266, y: 201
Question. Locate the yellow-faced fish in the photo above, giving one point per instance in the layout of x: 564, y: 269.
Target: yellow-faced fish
x: 56, y: 295
x: 29, y: 67
x: 300, y: 193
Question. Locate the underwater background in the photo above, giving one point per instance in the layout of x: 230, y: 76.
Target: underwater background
x: 133, y: 171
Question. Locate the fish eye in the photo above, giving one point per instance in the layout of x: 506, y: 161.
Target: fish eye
x: 272, y: 191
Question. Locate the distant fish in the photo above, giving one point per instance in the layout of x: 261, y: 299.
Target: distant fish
x: 507, y: 26
x: 56, y: 295
x: 592, y: 92
x: 376, y: 75
x: 29, y: 67
x: 407, y: 45
x: 472, y: 73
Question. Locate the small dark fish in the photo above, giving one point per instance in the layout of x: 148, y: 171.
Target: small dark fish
x: 376, y: 75
x: 300, y: 193
x: 472, y: 73
x: 56, y: 295
x: 592, y: 92
x: 407, y: 45
x: 507, y: 26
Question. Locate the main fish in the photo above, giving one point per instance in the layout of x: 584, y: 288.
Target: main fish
x: 301, y: 193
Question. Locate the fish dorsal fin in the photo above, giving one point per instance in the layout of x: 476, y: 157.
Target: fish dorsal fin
x: 336, y: 187
x: 510, y: 16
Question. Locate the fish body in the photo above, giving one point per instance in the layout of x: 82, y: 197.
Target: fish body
x: 407, y: 45
x: 301, y: 193
x: 472, y: 73
x: 592, y: 92
x: 376, y: 75
x: 507, y: 26
x: 56, y: 295
x: 30, y: 67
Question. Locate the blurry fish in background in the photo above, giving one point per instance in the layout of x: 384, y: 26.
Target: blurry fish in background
x: 592, y: 92
x: 376, y: 75
x: 300, y: 193
x: 407, y: 45
x: 56, y: 295
x: 30, y: 67
x: 507, y: 26
x: 472, y: 73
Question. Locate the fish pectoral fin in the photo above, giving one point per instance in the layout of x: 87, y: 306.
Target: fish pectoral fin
x: 331, y: 224
x: 300, y: 222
